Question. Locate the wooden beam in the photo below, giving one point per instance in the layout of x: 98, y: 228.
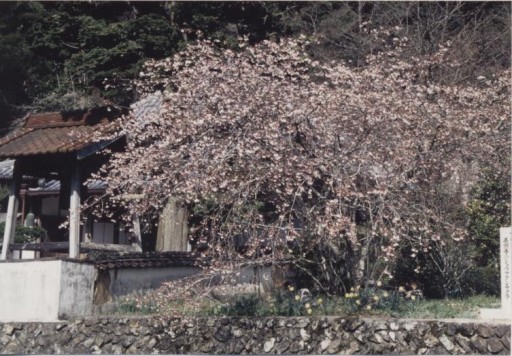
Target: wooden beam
x: 74, y: 213
x: 12, y: 209
x: 42, y: 246
x: 64, y: 245
x: 88, y: 246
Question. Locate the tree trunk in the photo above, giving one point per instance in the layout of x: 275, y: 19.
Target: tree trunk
x: 172, y: 232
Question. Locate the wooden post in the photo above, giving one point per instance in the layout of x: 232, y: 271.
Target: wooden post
x: 12, y: 209
x: 74, y: 213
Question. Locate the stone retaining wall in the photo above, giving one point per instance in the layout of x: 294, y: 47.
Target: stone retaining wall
x: 272, y: 335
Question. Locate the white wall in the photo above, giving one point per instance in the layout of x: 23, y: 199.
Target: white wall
x: 36, y: 290
x: 77, y: 289
x: 29, y: 290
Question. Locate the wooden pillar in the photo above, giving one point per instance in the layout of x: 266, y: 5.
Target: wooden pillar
x: 74, y: 213
x: 12, y: 209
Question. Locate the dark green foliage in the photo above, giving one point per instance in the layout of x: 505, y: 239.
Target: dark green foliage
x: 461, y: 269
x: 24, y: 234
x: 488, y: 210
x: 66, y: 55
x: 441, y: 270
x: 482, y: 280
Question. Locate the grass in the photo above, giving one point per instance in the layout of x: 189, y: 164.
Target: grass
x: 287, y: 303
x: 451, y: 308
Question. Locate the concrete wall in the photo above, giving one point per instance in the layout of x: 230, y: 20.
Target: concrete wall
x: 45, y: 290
x: 129, y: 280
x: 51, y: 290
x: 271, y: 335
x: 29, y: 290
x: 77, y: 288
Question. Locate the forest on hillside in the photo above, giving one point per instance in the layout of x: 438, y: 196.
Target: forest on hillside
x: 67, y: 55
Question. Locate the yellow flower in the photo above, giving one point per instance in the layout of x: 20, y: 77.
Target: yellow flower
x: 379, y: 283
x: 413, y: 297
x: 376, y: 298
x: 319, y: 300
x: 308, y: 306
x: 369, y: 307
x: 297, y: 297
x: 309, y: 311
x: 385, y: 295
x: 358, y: 302
x: 348, y: 295
x: 291, y: 289
x: 352, y: 289
x: 401, y: 289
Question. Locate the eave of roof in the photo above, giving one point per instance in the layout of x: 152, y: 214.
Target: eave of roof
x: 50, y: 187
x: 114, y: 260
x: 59, y: 133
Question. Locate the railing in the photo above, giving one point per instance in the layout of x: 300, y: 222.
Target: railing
x: 64, y: 247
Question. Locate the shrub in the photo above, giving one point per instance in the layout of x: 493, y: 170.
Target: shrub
x: 279, y: 303
x: 24, y: 234
x: 482, y: 280
x: 488, y: 210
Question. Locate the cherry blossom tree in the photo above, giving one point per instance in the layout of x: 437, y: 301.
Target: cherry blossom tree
x: 332, y: 168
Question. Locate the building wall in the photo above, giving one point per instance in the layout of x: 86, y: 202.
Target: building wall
x: 45, y: 290
x: 29, y: 290
x: 77, y: 288
x: 52, y: 290
x: 129, y: 280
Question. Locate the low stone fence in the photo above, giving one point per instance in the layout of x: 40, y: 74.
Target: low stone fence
x: 271, y: 335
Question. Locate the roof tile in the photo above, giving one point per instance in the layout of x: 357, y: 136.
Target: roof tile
x: 56, y: 132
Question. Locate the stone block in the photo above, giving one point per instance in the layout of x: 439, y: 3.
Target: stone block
x: 464, y: 343
x: 447, y: 343
x: 478, y: 344
x: 334, y: 346
x: 494, y: 345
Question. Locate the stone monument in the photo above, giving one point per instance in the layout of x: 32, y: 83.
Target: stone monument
x: 505, y: 312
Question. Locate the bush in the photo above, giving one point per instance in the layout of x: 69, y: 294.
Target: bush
x: 24, y: 234
x: 488, y: 210
x: 279, y: 303
x: 482, y: 280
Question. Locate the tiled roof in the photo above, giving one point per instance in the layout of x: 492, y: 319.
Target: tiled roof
x: 112, y: 260
x: 56, y: 132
